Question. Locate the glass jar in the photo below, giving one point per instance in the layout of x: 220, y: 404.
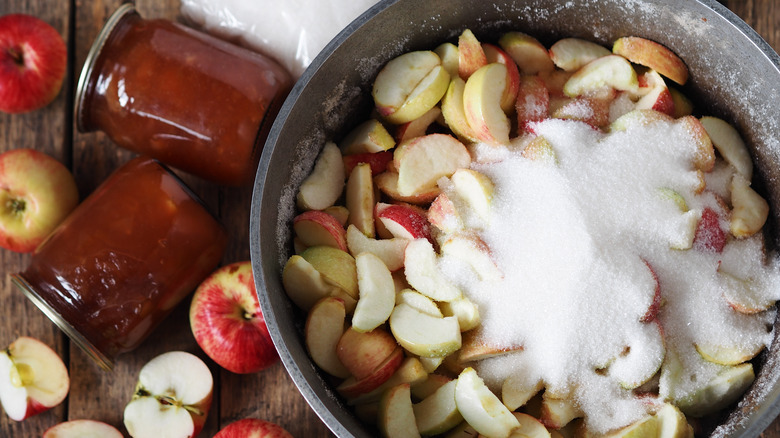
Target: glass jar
x: 190, y: 100
x: 123, y: 259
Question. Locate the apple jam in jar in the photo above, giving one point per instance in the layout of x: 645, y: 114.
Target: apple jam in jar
x: 123, y: 259
x: 181, y: 96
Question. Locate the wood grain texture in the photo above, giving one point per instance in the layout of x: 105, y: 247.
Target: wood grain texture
x: 92, y: 157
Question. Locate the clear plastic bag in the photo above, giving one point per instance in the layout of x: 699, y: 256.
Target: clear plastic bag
x: 292, y: 31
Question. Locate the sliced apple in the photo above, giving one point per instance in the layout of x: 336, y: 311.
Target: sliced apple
x: 363, y: 352
x: 653, y: 55
x: 482, y: 98
x: 476, y: 347
x: 672, y: 423
x: 682, y: 104
x: 354, y: 388
x: 475, y: 189
x: 659, y: 98
x: 471, y: 57
x: 404, y: 222
x: 419, y: 302
x: 470, y: 249
x: 423, y: 160
x: 608, y: 71
x: 642, y: 358
x: 443, y: 215
x: 465, y: 310
x: 409, y: 85
x: 533, y: 101
x: 368, y: 137
x: 450, y: 58
x: 704, y: 158
x: 409, y: 371
x: 303, y: 283
x: 377, y: 161
x: 325, y: 183
x: 540, y: 149
x: 316, y: 227
x: 750, y: 210
x: 336, y: 266
x: 453, y: 111
x: 324, y: 328
x: 518, y: 389
x: 570, y: 54
x: 729, y: 144
x: 744, y: 295
x: 339, y: 212
x: 423, y: 334
x: 529, y: 54
x: 729, y: 354
x: 390, y: 251
x: 496, y: 54
x: 417, y: 127
x: 423, y: 274
x: 431, y: 364
x: 530, y: 427
x: 396, y: 417
x: 387, y: 183
x: 427, y: 387
x: 593, y: 111
x: 33, y: 378
x: 438, y: 412
x: 360, y: 200
x: 723, y: 390
x: 481, y: 408
x: 558, y: 412
x: 377, y: 293
x: 636, y: 118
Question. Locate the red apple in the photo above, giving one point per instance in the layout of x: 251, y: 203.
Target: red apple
x: 227, y: 322
x: 36, y: 193
x: 33, y: 59
x: 252, y: 428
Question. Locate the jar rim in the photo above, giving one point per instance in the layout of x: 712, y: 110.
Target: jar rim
x: 89, y: 63
x: 101, y: 359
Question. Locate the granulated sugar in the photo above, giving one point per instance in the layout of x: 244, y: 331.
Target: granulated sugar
x: 584, y: 244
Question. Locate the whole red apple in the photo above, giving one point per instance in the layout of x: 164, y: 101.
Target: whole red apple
x: 33, y: 59
x: 253, y: 428
x: 37, y: 192
x: 227, y: 322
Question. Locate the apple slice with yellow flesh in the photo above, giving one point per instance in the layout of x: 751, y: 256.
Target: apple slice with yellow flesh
x: 364, y: 352
x: 429, y: 386
x: 417, y: 127
x: 409, y: 86
x: 558, y: 412
x: 396, y: 417
x: 481, y: 408
x: 744, y: 295
x: 643, y: 358
x: 704, y: 158
x: 325, y: 183
x: 465, y: 310
x: 453, y: 111
x: 495, y: 54
x: 519, y: 388
x: 390, y: 251
x: 729, y: 144
x: 539, y: 149
x: 377, y: 293
x: 570, y: 54
x: 476, y: 347
x: 653, y: 55
x: 423, y: 334
x: 409, y: 371
x: 419, y: 302
x: 423, y: 274
x: 450, y: 58
x: 530, y: 427
x: 608, y: 71
x: 529, y: 54
x: 354, y: 388
x: 360, y: 199
x: 368, y: 137
x: 438, y: 412
x: 473, y: 251
x: 721, y: 391
x: 324, y: 328
x: 482, y: 98
x: 733, y: 354
x: 305, y: 285
x: 471, y: 56
x: 423, y: 160
x: 750, y: 210
x: 475, y: 189
x: 672, y: 423
x: 387, y: 183
x: 337, y: 267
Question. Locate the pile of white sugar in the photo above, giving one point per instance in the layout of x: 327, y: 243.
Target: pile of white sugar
x: 584, y: 243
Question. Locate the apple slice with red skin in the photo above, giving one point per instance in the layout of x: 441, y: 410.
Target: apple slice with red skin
x: 533, y: 101
x: 482, y: 99
x: 33, y: 61
x: 37, y: 192
x: 33, y: 378
x: 363, y: 352
x: 570, y: 54
x: 352, y: 387
x: 528, y: 53
x: 653, y: 55
x: 378, y: 161
x: 417, y: 127
x: 443, y: 215
x: 496, y: 54
x: 253, y: 428
x: 655, y: 305
x: 710, y: 236
x: 82, y: 429
x: 704, y: 158
x: 655, y: 95
x: 387, y: 183
x: 227, y: 322
x: 172, y: 397
x: 410, y: 371
x: 608, y: 71
x: 315, y: 227
x: 404, y: 222
x: 471, y: 56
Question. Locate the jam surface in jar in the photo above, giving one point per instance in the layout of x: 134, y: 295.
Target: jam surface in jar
x: 124, y: 259
x: 190, y: 100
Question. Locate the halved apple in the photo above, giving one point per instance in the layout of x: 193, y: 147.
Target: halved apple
x: 496, y: 54
x: 362, y: 353
x: 82, y: 429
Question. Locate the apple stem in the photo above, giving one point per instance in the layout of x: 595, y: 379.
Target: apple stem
x: 249, y: 316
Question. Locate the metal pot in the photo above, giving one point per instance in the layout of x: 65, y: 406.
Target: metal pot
x: 734, y: 75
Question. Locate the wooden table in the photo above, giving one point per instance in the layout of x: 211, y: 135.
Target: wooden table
x: 101, y: 395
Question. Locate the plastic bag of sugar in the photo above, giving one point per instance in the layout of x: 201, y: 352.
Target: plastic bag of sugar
x: 291, y: 31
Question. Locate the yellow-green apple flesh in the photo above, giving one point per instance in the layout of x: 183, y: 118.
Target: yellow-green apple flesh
x: 496, y: 54
x: 475, y: 190
x: 530, y: 427
x: 471, y: 56
x: 481, y: 408
x: 482, y: 97
x: 429, y: 386
x: 387, y: 183
x: 37, y: 193
x: 419, y: 302
x: 359, y: 198
x: 422, y: 161
x: 721, y: 391
x: 369, y: 136
x: 653, y: 55
x: 423, y: 334
x: 750, y: 210
x: 454, y: 113
x: 395, y: 416
x: 465, y: 310
x: 82, y: 429
x: 33, y: 378
x: 519, y: 388
x: 253, y: 428
x: 609, y: 71
x: 476, y: 347
x: 227, y: 322
x: 410, y: 371
x: 729, y: 354
x: 33, y: 59
x: 325, y: 183
x: 729, y: 144
x: 672, y: 423
x: 570, y: 54
x: 450, y: 58
x: 336, y: 266
x: 438, y: 413
x: 472, y: 251
x: 305, y: 285
x: 325, y: 325
x: 172, y: 397
x: 390, y: 251
x: 743, y: 294
x: 409, y: 86
x: 377, y: 293
x: 315, y: 227
x: 529, y: 54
